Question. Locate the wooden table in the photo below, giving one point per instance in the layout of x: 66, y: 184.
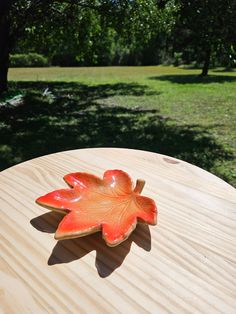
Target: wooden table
x: 185, y: 264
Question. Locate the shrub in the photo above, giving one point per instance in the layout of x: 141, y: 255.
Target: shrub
x: 178, y: 58
x: 65, y: 60
x: 28, y: 60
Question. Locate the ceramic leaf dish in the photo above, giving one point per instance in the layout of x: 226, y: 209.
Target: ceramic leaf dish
x: 110, y: 205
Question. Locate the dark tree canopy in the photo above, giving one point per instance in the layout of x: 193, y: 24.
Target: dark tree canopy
x: 68, y: 25
x: 209, y: 27
x: 107, y: 32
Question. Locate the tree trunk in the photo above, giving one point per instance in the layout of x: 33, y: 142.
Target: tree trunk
x: 4, y: 64
x: 206, y: 63
x: 4, y: 48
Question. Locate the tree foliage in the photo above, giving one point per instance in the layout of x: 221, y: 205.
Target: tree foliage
x: 102, y: 33
x: 106, y: 32
x: 209, y: 28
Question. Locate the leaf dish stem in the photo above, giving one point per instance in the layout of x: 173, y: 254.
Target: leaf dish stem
x: 139, y: 186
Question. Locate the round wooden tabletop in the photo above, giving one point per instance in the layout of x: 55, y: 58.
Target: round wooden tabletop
x: 184, y: 264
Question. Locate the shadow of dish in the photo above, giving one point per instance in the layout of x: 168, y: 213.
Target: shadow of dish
x: 108, y: 259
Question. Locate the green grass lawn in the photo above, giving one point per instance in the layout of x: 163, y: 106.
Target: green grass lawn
x: 162, y: 109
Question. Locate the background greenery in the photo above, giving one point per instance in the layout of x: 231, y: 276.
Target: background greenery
x: 179, y: 111
x: 140, y: 32
x: 163, y: 109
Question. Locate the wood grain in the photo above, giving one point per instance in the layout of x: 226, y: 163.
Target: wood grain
x: 185, y: 264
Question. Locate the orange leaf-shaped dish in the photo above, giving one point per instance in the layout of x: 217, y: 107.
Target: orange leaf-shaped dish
x: 93, y: 204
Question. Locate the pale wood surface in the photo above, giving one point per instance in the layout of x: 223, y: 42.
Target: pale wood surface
x: 185, y: 264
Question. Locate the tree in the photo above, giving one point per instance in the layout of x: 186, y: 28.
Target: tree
x: 88, y: 40
x: 16, y: 16
x: 208, y: 26
x: 95, y: 26
x: 10, y: 29
x: 5, y: 44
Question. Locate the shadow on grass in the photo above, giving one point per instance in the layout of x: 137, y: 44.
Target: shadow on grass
x: 72, y: 118
x: 194, y: 79
x: 233, y: 70
x: 87, y: 92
